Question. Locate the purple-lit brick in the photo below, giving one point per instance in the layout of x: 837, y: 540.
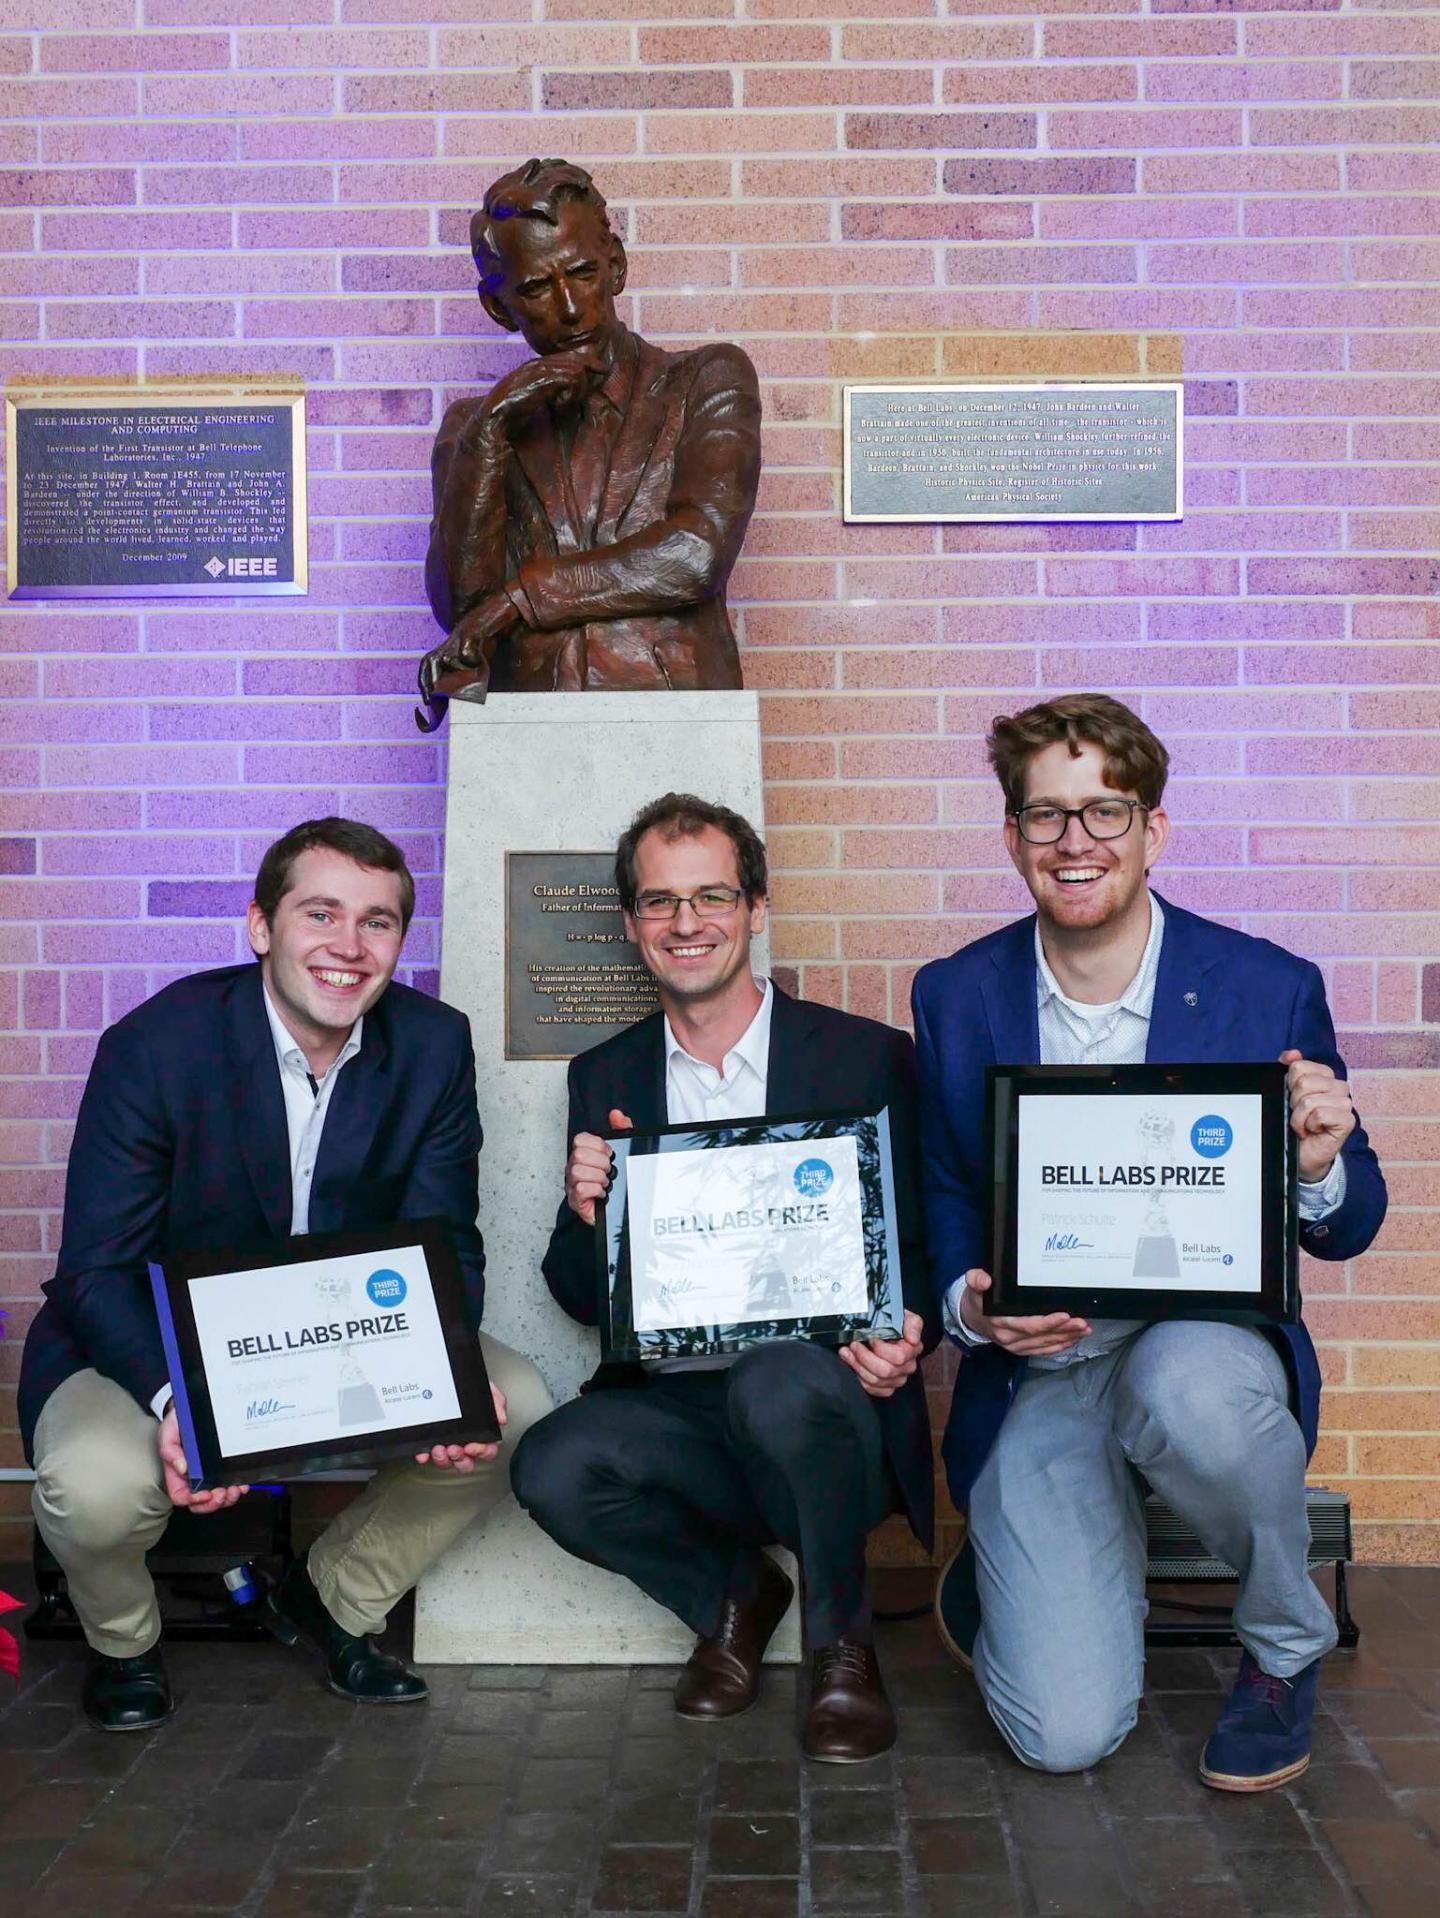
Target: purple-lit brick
x: 198, y: 898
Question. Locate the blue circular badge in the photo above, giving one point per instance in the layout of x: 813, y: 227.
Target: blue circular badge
x: 812, y: 1177
x: 385, y: 1288
x: 1212, y: 1136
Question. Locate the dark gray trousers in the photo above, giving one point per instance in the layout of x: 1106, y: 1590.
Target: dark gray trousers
x: 679, y: 1483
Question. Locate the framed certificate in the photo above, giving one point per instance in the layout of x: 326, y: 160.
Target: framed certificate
x: 1143, y: 1192
x: 718, y: 1237
x: 340, y: 1348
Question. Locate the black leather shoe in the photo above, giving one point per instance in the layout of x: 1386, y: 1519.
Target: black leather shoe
x: 722, y: 1676
x: 353, y: 1667
x: 127, y: 1694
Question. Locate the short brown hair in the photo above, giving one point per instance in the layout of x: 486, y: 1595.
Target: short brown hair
x: 682, y: 816
x: 353, y: 838
x: 1135, y: 761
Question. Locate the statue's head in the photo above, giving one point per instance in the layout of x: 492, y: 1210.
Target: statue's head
x: 550, y: 266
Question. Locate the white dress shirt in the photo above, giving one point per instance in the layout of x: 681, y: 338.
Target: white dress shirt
x: 1075, y: 1034
x: 307, y: 1100
x: 695, y: 1093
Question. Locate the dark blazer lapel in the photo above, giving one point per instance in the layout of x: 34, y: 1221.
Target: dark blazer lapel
x: 1193, y: 1012
x: 1008, y: 992
x: 792, y: 1082
x: 641, y: 432
x: 645, y: 1075
x: 357, y: 1103
x: 257, y: 1102
x: 542, y: 461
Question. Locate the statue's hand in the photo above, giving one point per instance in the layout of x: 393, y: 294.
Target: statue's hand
x: 559, y: 380
x: 461, y: 663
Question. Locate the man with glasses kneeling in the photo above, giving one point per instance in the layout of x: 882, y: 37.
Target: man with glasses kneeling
x: 680, y: 1481
x: 1053, y: 1418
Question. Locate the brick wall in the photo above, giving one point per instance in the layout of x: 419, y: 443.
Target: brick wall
x: 850, y: 187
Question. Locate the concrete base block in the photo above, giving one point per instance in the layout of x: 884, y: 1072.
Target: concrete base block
x: 507, y: 1596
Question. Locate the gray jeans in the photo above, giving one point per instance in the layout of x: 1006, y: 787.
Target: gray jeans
x: 1202, y: 1410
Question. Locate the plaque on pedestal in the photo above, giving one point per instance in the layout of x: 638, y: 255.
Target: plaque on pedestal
x: 572, y: 978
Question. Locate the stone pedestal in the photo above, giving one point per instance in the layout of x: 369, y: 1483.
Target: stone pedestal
x: 536, y: 773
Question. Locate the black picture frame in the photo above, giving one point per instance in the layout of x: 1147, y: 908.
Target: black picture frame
x: 171, y: 1279
x: 1277, y: 1301
x: 883, y: 1319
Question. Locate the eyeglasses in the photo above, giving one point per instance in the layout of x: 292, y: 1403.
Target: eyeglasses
x: 713, y: 902
x: 1101, y: 818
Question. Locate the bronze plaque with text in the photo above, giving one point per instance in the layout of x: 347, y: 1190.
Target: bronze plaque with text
x: 571, y: 976
x: 1011, y: 450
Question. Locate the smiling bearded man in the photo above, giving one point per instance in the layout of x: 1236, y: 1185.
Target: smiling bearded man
x: 676, y: 1473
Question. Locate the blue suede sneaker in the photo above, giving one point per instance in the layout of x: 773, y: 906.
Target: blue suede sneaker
x: 957, y: 1606
x: 1263, y: 1737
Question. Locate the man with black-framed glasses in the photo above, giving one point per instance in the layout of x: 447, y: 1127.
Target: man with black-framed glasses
x: 1055, y: 1421
x: 680, y: 1484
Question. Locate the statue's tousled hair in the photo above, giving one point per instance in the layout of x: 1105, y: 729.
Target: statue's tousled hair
x: 530, y: 192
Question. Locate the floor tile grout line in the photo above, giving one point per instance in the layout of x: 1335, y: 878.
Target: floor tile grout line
x: 704, y: 1812
x: 804, y: 1828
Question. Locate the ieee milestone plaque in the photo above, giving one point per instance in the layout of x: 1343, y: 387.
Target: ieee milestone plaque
x: 571, y: 976
x: 164, y: 492
x: 1012, y: 451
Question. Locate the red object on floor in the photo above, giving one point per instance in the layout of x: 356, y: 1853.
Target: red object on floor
x: 9, y: 1650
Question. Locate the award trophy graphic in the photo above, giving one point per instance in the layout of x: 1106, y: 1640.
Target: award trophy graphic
x: 358, y: 1403
x: 1156, y: 1256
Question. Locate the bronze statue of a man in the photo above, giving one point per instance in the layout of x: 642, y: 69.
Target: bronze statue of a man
x: 589, y: 508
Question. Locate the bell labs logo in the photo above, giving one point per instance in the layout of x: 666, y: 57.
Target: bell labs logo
x: 243, y: 566
x: 813, y: 1178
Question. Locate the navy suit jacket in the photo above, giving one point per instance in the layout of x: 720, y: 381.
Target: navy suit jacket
x: 820, y: 1060
x: 1219, y: 995
x: 182, y: 1144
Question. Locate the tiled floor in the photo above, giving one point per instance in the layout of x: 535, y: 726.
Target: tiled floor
x: 575, y: 1791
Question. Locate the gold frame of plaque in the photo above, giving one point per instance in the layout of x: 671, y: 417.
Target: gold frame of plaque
x: 227, y: 576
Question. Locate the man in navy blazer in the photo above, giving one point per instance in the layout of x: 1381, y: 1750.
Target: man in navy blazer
x: 308, y: 1093
x: 1055, y: 1421
x: 679, y: 1482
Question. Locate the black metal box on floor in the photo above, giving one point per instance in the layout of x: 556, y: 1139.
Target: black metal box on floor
x: 189, y: 1565
x: 1175, y: 1555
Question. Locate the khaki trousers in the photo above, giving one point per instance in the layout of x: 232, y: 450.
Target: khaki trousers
x: 100, y: 1504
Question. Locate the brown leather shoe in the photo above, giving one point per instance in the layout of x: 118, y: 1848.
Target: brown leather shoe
x: 722, y: 1676
x: 850, y: 1719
